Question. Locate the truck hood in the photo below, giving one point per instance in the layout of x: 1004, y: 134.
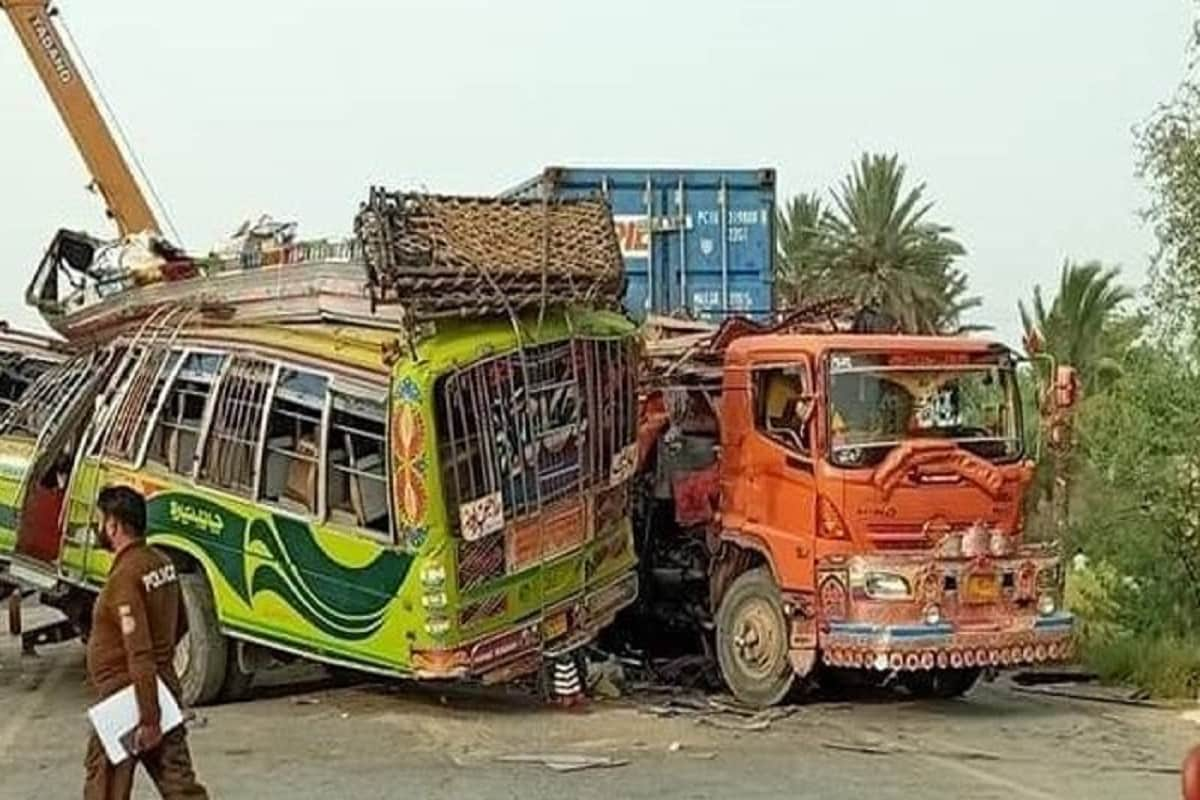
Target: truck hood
x: 930, y: 493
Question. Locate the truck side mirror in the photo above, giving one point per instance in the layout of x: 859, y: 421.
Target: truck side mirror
x: 1066, y: 387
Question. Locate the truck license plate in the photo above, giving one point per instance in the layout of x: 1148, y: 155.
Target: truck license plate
x: 982, y: 589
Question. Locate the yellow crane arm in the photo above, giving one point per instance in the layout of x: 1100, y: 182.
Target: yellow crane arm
x: 123, y: 198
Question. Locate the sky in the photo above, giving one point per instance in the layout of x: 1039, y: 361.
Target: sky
x: 1018, y: 116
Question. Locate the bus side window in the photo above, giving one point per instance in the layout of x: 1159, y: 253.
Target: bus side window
x: 176, y: 434
x: 291, y: 451
x: 145, y: 382
x: 232, y: 439
x: 356, y: 480
x: 52, y: 396
x: 17, y: 374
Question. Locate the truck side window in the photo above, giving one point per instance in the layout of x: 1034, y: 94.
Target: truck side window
x: 292, y: 450
x: 176, y: 434
x: 233, y: 434
x: 780, y: 397
x: 356, y: 481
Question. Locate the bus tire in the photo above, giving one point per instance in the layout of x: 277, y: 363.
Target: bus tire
x: 202, y: 655
x: 238, y: 683
x: 752, y: 640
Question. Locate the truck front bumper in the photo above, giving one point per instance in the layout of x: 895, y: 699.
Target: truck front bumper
x: 945, y: 645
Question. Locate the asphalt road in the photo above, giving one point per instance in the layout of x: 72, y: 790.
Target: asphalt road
x: 316, y: 740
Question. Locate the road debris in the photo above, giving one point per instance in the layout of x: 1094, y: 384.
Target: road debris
x: 890, y: 749
x: 1094, y: 694
x: 720, y: 713
x: 1054, y: 675
x: 605, y: 676
x: 564, y: 762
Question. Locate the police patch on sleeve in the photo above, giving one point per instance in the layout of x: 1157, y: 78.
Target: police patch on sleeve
x: 128, y: 623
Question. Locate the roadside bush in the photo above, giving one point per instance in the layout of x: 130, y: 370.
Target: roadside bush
x: 1165, y: 666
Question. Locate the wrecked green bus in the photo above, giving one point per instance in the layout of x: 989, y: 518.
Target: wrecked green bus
x: 448, y: 501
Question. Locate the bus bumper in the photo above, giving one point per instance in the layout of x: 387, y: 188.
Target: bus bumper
x: 563, y: 628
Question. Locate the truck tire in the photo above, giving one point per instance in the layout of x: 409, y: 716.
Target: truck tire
x: 202, y: 656
x: 752, y: 640
x: 941, y: 684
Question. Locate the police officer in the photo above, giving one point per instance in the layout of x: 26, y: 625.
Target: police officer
x: 138, y: 619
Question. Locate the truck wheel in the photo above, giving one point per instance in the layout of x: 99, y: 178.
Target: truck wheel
x: 202, y: 655
x: 752, y: 640
x: 941, y: 684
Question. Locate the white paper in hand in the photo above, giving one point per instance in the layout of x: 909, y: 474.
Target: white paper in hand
x: 116, y: 716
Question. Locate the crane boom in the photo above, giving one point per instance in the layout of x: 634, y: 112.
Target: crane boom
x: 123, y: 198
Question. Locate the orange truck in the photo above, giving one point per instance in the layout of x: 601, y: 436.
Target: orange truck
x: 844, y: 505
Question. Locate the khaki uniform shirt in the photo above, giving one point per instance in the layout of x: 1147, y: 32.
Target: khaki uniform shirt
x: 137, y: 621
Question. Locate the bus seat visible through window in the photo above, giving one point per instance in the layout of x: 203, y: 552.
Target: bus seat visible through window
x: 40, y: 516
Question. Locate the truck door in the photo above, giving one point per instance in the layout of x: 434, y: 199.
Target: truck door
x: 54, y: 413
x: 778, y: 460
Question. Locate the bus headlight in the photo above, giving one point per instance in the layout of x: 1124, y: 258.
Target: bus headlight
x: 434, y: 575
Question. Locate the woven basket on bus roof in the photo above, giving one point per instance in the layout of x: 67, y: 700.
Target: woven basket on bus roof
x: 444, y: 256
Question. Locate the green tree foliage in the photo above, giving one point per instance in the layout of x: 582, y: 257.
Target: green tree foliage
x: 1142, y: 515
x: 800, y: 231
x: 877, y: 246
x: 1081, y: 327
x: 1169, y: 162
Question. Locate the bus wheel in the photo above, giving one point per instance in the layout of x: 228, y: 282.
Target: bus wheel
x: 752, y: 640
x: 941, y: 683
x: 237, y: 683
x: 202, y: 655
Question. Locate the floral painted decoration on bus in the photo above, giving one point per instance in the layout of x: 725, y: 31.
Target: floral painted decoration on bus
x: 409, y: 463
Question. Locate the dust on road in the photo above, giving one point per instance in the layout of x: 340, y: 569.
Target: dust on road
x: 307, y: 740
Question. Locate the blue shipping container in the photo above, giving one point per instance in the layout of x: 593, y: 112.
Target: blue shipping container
x: 694, y: 240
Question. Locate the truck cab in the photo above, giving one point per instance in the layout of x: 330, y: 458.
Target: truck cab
x: 867, y: 495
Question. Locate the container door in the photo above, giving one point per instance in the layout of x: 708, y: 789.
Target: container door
x: 727, y: 252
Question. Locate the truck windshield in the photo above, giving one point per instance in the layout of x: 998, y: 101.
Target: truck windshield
x: 876, y: 402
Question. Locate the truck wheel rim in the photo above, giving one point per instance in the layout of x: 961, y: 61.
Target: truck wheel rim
x: 756, y: 639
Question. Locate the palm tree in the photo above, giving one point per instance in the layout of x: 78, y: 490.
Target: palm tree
x: 1082, y: 328
x: 800, y: 233
x: 1080, y: 325
x: 881, y: 250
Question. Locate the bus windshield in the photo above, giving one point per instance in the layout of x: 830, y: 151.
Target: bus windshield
x: 876, y: 402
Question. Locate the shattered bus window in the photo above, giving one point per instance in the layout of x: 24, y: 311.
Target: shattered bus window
x: 177, y: 432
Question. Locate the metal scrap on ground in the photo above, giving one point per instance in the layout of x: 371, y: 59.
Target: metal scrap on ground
x: 564, y: 762
x: 719, y: 713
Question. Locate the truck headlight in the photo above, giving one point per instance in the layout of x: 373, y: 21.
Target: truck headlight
x: 1047, y: 604
x: 887, y: 586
